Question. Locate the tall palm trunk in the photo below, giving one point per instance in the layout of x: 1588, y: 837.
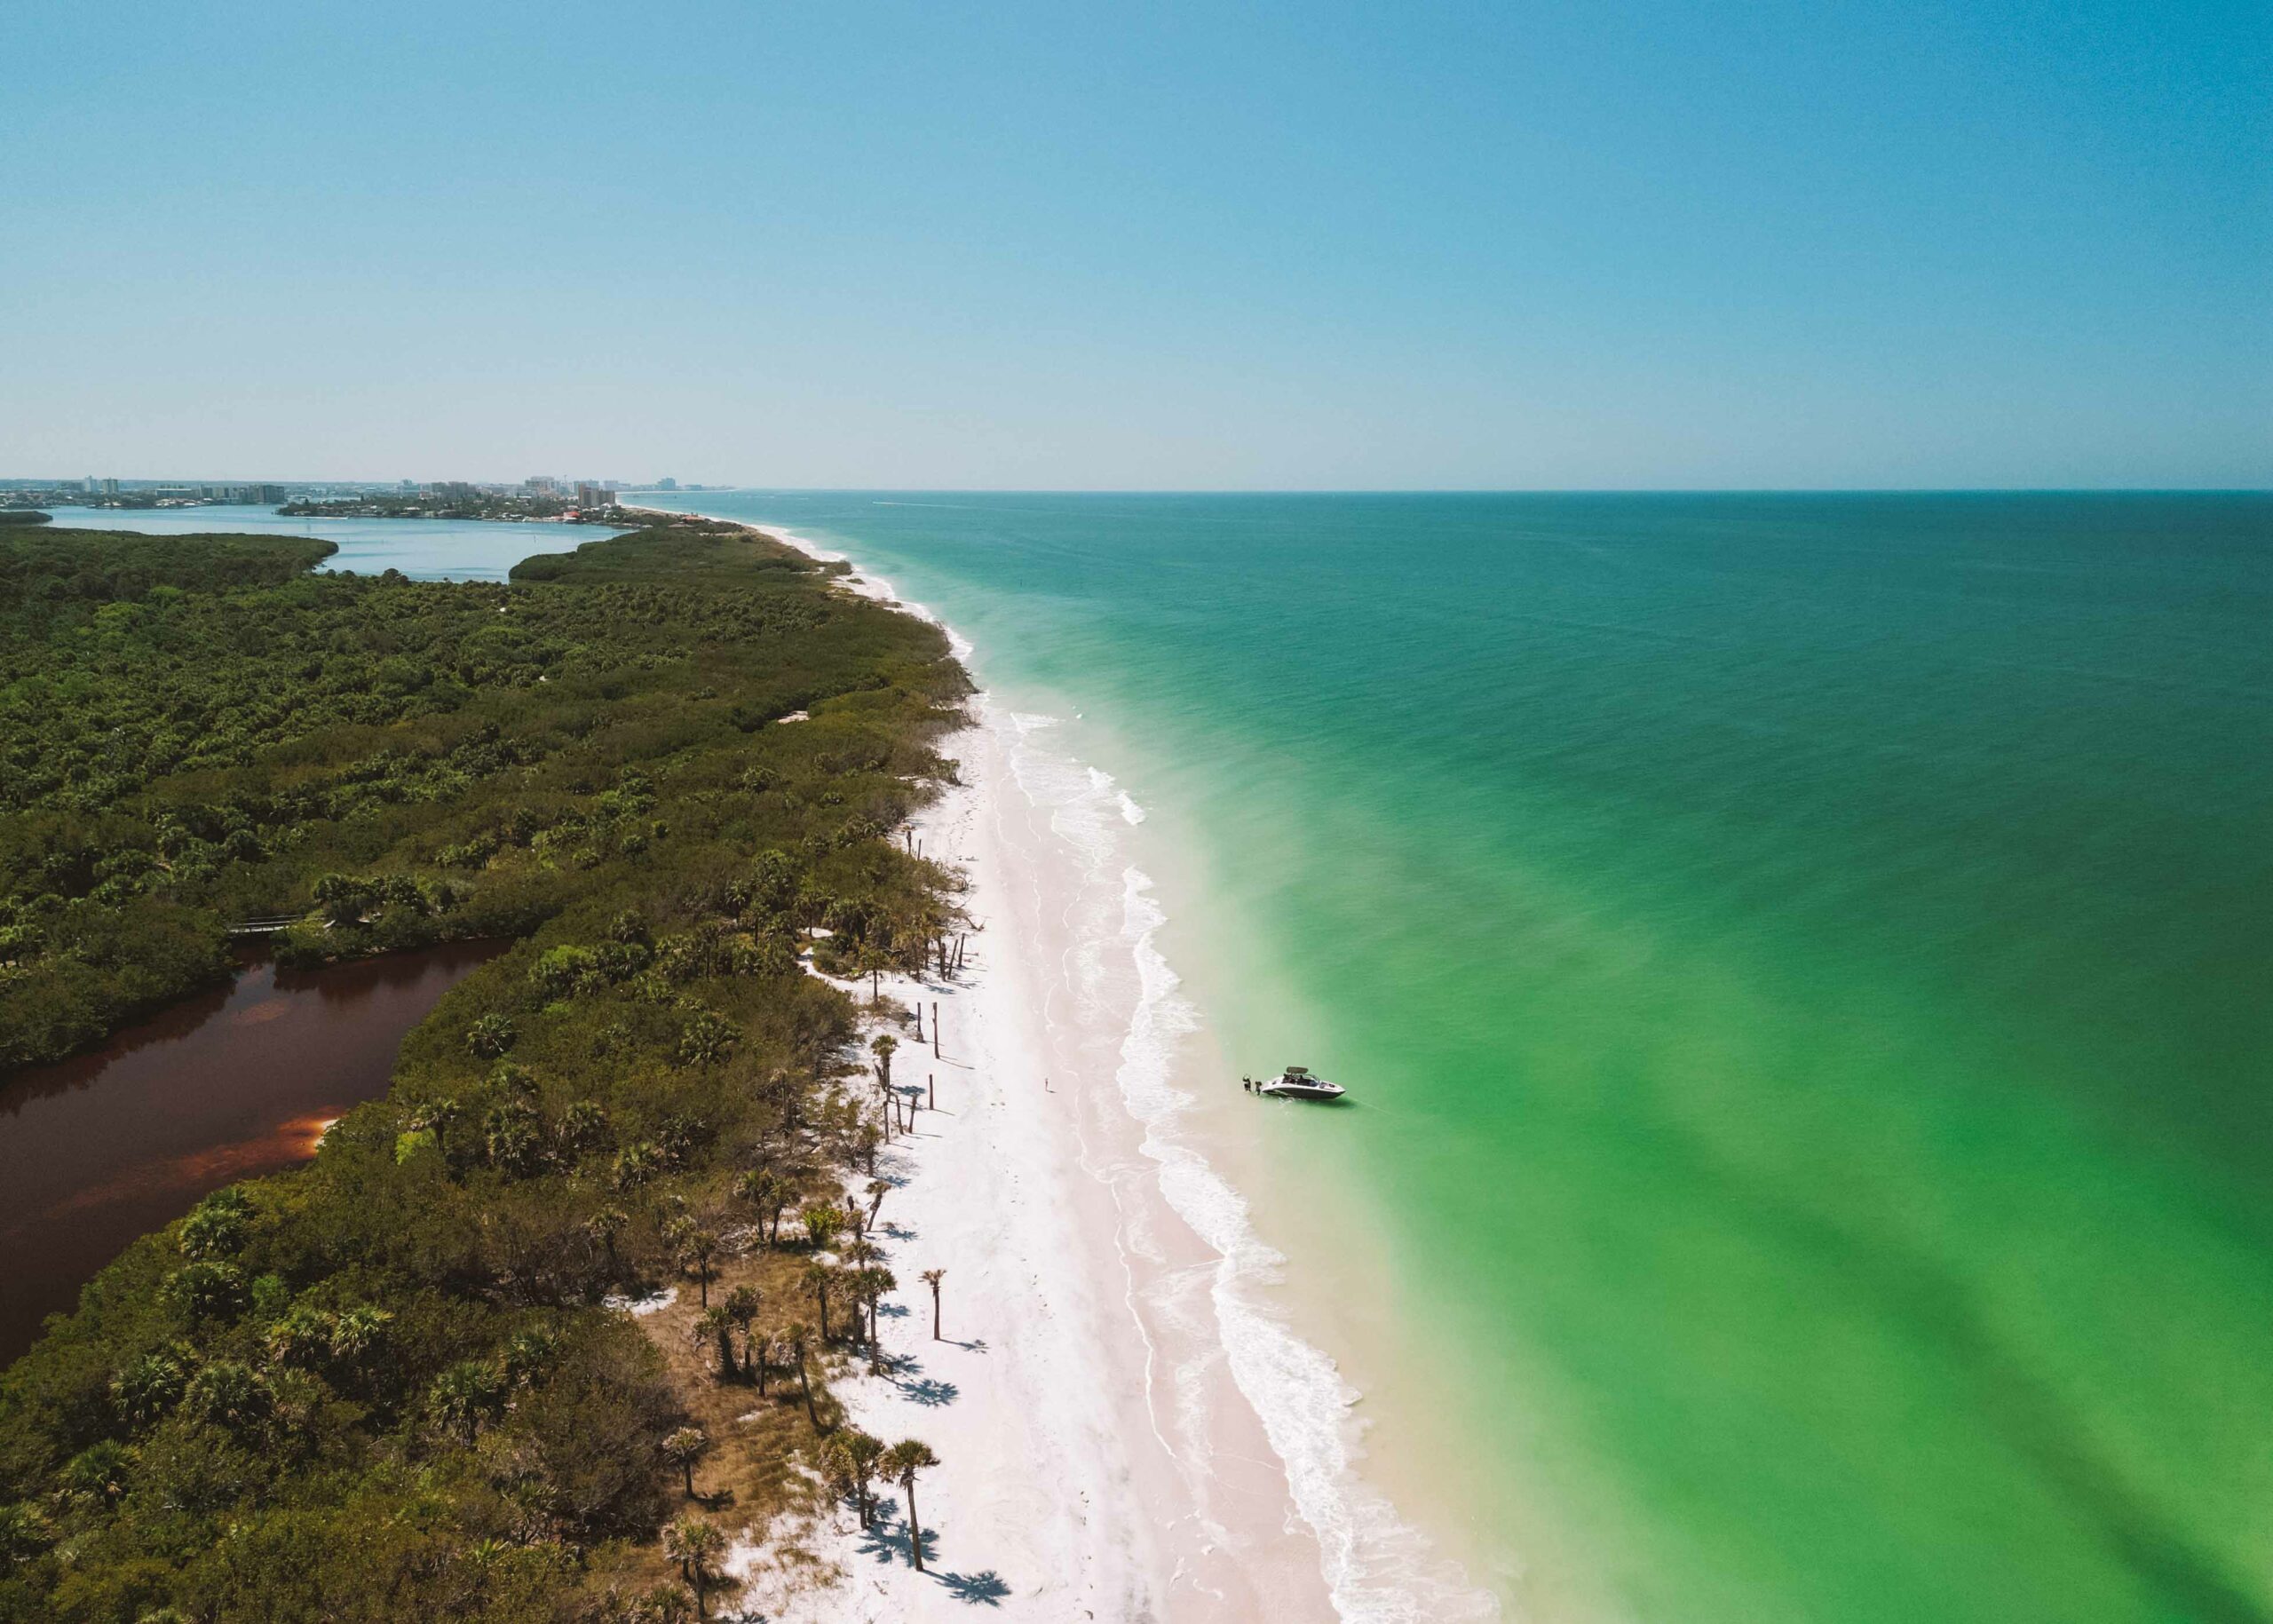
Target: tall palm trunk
x: 914, y: 1528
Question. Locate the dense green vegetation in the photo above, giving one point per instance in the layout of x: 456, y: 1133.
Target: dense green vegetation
x: 197, y: 730
x: 384, y: 1386
x: 23, y: 516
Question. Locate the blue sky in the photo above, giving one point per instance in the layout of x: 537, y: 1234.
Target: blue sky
x: 1129, y: 247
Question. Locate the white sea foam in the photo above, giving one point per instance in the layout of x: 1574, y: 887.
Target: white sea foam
x: 1378, y: 1569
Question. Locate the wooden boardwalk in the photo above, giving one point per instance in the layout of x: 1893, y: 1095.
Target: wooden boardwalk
x: 265, y: 927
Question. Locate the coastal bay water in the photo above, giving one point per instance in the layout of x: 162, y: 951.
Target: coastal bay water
x: 422, y: 549
x: 1801, y: 962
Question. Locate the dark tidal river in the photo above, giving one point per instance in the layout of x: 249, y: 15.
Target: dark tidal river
x: 236, y: 1082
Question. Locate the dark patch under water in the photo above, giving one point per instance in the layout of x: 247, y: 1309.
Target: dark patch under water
x: 239, y: 1082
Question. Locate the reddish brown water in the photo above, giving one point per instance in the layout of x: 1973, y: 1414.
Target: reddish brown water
x: 238, y: 1081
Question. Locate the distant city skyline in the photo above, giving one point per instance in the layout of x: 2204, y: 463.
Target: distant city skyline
x: 1023, y: 246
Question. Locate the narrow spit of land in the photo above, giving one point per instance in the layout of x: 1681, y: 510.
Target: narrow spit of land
x: 389, y: 1384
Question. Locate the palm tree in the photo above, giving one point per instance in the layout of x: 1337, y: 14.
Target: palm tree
x: 717, y: 1326
x: 900, y: 1464
x: 872, y: 1285
x: 816, y: 1280
x: 463, y: 1395
x: 490, y: 1036
x: 763, y: 1191
x: 872, y: 961
x: 885, y: 1045
x: 696, y: 1545
x: 877, y: 1190
x: 797, y: 1332
x: 683, y: 1448
x: 864, y: 1452
x: 603, y: 1227
x: 931, y: 1278
x: 100, y: 1472
x: 861, y: 1287
x: 355, y: 1335
x: 741, y: 1309
x: 530, y: 1354
x: 696, y: 1251
x: 854, y: 1453
x: 301, y: 1336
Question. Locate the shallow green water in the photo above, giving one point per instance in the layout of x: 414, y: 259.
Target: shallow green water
x: 1807, y: 960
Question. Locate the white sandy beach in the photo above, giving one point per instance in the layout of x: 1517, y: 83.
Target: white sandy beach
x: 1063, y: 1490
x: 1125, y: 1431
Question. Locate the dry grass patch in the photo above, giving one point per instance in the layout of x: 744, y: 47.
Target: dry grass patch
x: 752, y: 1480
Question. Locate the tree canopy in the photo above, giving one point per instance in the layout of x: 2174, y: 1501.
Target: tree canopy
x: 384, y: 1385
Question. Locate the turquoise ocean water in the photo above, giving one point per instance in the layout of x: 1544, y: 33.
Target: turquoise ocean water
x: 1807, y: 961
x: 1808, y: 966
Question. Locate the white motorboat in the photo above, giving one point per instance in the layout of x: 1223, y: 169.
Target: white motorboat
x: 1295, y: 1082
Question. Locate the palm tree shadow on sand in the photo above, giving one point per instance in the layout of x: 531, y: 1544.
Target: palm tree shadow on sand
x: 985, y: 1589
x: 929, y: 1391
x: 886, y: 1544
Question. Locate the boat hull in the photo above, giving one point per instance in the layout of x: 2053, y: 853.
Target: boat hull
x: 1315, y: 1093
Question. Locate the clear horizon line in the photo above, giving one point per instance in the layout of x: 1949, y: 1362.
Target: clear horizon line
x: 710, y: 488
x: 1468, y: 490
